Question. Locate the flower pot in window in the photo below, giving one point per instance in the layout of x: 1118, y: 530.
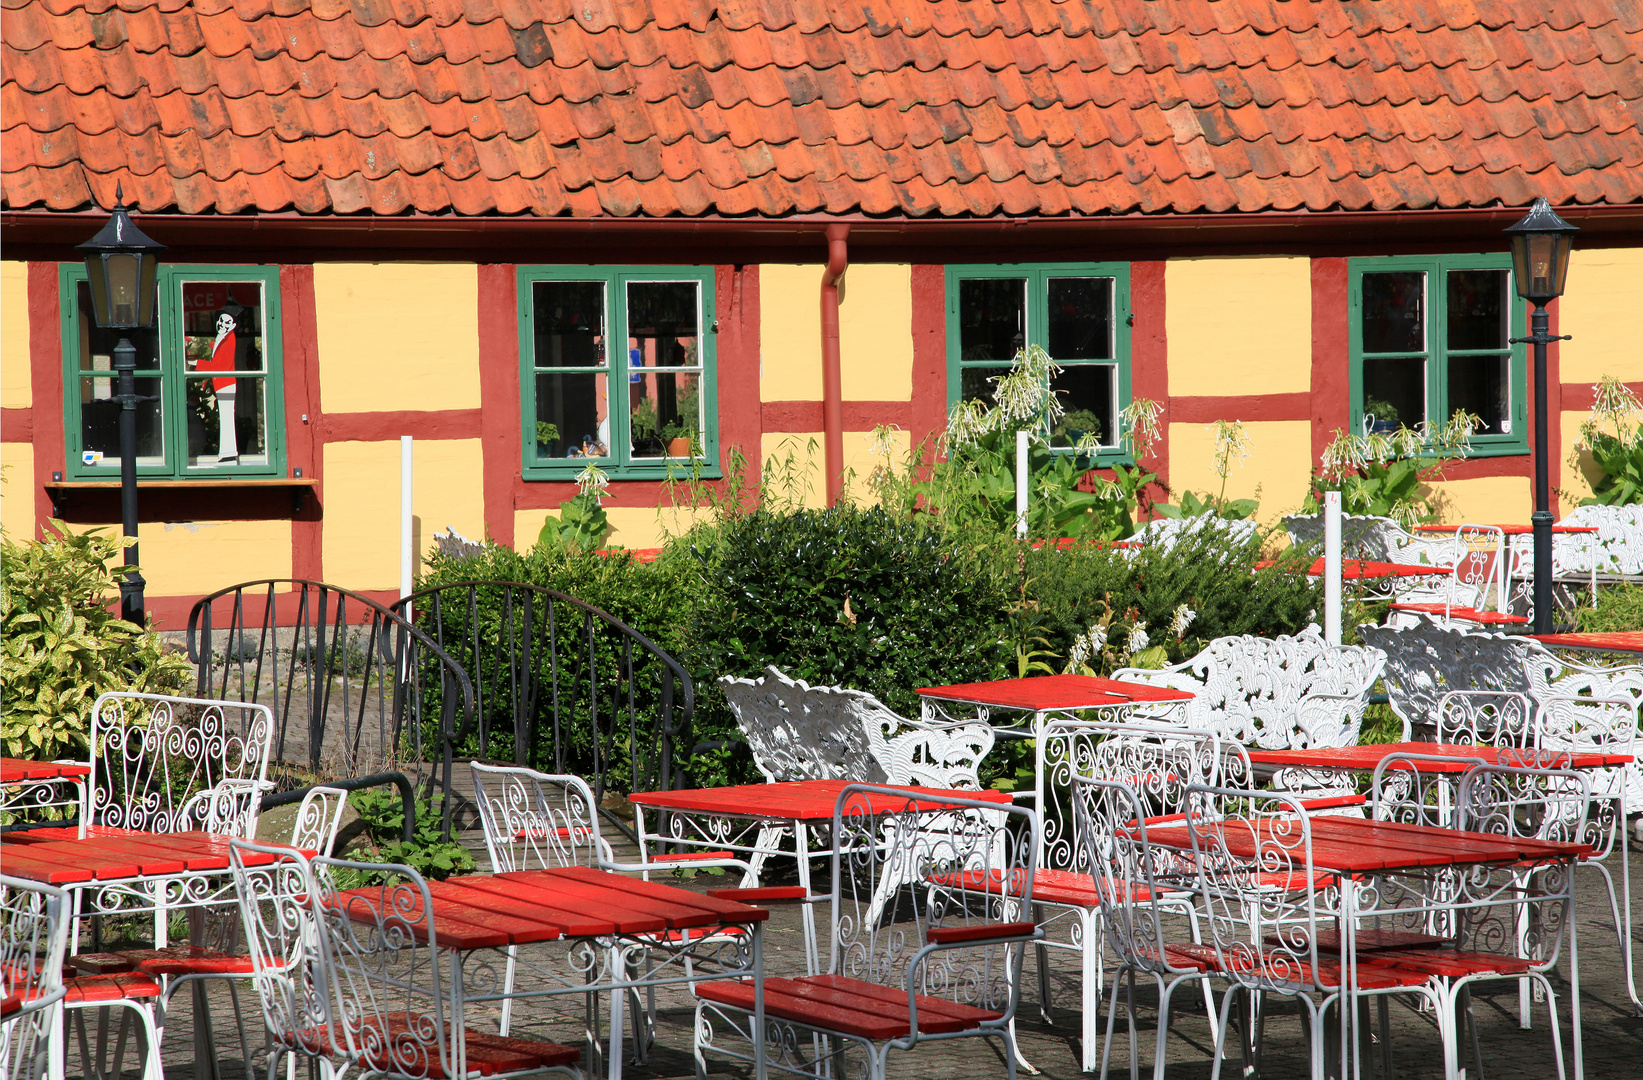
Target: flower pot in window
x: 679, y: 447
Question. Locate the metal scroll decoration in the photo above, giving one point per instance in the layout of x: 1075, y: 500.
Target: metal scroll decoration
x: 534, y: 821
x: 1426, y: 661
x: 800, y: 732
x: 172, y: 764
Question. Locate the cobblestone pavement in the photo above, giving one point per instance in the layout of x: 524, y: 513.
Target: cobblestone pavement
x: 1613, y: 1034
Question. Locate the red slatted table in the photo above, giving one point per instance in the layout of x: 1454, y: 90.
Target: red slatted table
x: 494, y: 911
x: 1619, y: 641
x: 699, y: 818
x: 31, y: 785
x: 1366, y: 758
x: 1362, y: 848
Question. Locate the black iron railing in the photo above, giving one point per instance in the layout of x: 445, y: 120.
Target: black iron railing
x: 561, y: 686
x: 355, y: 688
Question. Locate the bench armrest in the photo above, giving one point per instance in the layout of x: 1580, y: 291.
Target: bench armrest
x: 768, y: 894
x: 962, y: 935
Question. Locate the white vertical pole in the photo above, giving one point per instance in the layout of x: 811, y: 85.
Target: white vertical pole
x: 407, y: 553
x: 1021, y: 484
x: 1332, y: 567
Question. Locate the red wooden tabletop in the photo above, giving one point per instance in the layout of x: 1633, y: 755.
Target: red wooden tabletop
x: 1047, y: 692
x: 1466, y: 614
x: 1619, y: 641
x: 1512, y: 530
x: 486, y: 911
x: 13, y: 770
x: 1360, y: 846
x: 1366, y: 758
x: 1353, y: 569
x: 799, y: 800
x: 46, y: 855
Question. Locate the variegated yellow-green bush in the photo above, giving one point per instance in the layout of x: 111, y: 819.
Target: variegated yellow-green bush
x: 61, y: 644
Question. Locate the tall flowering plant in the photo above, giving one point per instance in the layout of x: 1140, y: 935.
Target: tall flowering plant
x: 1612, y: 437
x: 1388, y: 474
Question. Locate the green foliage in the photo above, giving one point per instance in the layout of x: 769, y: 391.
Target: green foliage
x: 382, y: 811
x: 61, y: 645
x: 1619, y: 607
x: 644, y: 418
x: 581, y: 527
x: 546, y: 434
x: 1094, y: 599
x: 1616, y: 455
x: 1386, y: 475
x: 1195, y: 505
x: 859, y: 597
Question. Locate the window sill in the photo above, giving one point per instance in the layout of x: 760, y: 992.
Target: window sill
x: 679, y: 474
x: 63, y: 492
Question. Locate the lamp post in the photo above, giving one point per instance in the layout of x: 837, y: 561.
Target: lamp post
x: 121, y: 265
x: 1540, y: 263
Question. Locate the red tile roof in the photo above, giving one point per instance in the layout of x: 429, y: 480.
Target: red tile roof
x: 778, y: 107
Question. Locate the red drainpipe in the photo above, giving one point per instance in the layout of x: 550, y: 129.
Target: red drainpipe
x: 832, y: 380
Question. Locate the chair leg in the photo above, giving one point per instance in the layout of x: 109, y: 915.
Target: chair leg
x: 1090, y: 988
x: 507, y: 989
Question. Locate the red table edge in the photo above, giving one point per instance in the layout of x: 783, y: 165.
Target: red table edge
x: 773, y: 805
x: 1046, y: 686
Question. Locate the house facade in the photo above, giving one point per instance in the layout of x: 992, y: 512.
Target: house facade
x: 682, y: 239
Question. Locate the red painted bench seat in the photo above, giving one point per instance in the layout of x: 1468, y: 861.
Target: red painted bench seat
x: 848, y: 1006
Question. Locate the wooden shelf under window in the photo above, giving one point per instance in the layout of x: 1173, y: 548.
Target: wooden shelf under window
x: 61, y: 491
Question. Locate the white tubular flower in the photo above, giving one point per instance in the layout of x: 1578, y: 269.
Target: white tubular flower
x: 1078, y: 653
x: 1181, y: 620
x: 1098, y: 638
x: 1138, y: 425
x: 1138, y: 638
x: 592, y: 480
x: 967, y: 422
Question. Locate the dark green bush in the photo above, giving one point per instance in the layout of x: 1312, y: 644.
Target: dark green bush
x: 1069, y: 591
x: 850, y: 596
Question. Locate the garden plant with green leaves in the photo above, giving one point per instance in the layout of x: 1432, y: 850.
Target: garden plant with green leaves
x: 1612, y: 439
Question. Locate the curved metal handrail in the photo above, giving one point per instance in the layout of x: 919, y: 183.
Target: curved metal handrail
x: 534, y: 691
x: 345, y: 658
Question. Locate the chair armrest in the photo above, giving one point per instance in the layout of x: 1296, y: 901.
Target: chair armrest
x: 766, y: 894
x: 962, y: 935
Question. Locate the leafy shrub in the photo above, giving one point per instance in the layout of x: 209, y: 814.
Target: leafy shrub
x: 1388, y: 475
x: 1617, y: 455
x: 382, y: 811
x: 851, y: 596
x: 61, y: 645
x: 1115, y: 592
x: 1619, y: 607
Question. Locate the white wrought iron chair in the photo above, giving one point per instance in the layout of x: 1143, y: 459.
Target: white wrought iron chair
x: 1476, y: 590
x: 1286, y: 692
x: 1426, y: 661
x: 1158, y: 762
x: 396, y: 1007
x: 34, y: 920
x: 539, y: 821
x: 941, y: 961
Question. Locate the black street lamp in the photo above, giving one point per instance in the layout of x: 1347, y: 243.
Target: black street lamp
x: 122, y: 265
x: 1540, y: 263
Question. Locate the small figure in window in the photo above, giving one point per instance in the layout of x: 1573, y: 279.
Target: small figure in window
x: 226, y: 387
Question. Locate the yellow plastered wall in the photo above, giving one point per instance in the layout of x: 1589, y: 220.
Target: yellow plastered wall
x: 875, y: 332
x: 1599, y: 310
x: 1239, y: 326
x: 190, y: 558
x: 1280, y: 452
x: 1576, y: 484
x: 795, y: 470
x: 16, y: 389
x: 17, y: 490
x: 1495, y: 500
x: 361, y: 547
x: 790, y: 333
x: 397, y: 336
x: 631, y: 526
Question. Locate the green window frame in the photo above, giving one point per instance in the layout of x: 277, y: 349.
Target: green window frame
x: 1429, y: 335
x: 668, y: 362
x: 1080, y: 310
x: 194, y: 410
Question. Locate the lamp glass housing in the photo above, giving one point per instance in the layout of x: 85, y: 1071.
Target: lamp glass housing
x: 1540, y: 264
x: 122, y: 268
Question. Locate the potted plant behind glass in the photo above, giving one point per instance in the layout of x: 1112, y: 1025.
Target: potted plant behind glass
x: 1078, y: 423
x: 680, y: 439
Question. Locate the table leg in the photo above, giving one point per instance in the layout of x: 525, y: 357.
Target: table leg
x: 618, y: 971
x: 801, y: 848
x: 760, y: 1066
x: 1574, y: 978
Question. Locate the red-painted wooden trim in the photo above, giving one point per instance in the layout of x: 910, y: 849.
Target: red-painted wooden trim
x: 1479, y: 468
x: 1149, y: 358
x: 391, y: 424
x: 1207, y: 410
x: 499, y: 405
x: 741, y: 427
x: 1578, y: 396
x: 304, y: 448
x: 927, y: 418
x: 806, y: 416
x: 1331, y: 396
x: 17, y: 425
x: 46, y: 382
